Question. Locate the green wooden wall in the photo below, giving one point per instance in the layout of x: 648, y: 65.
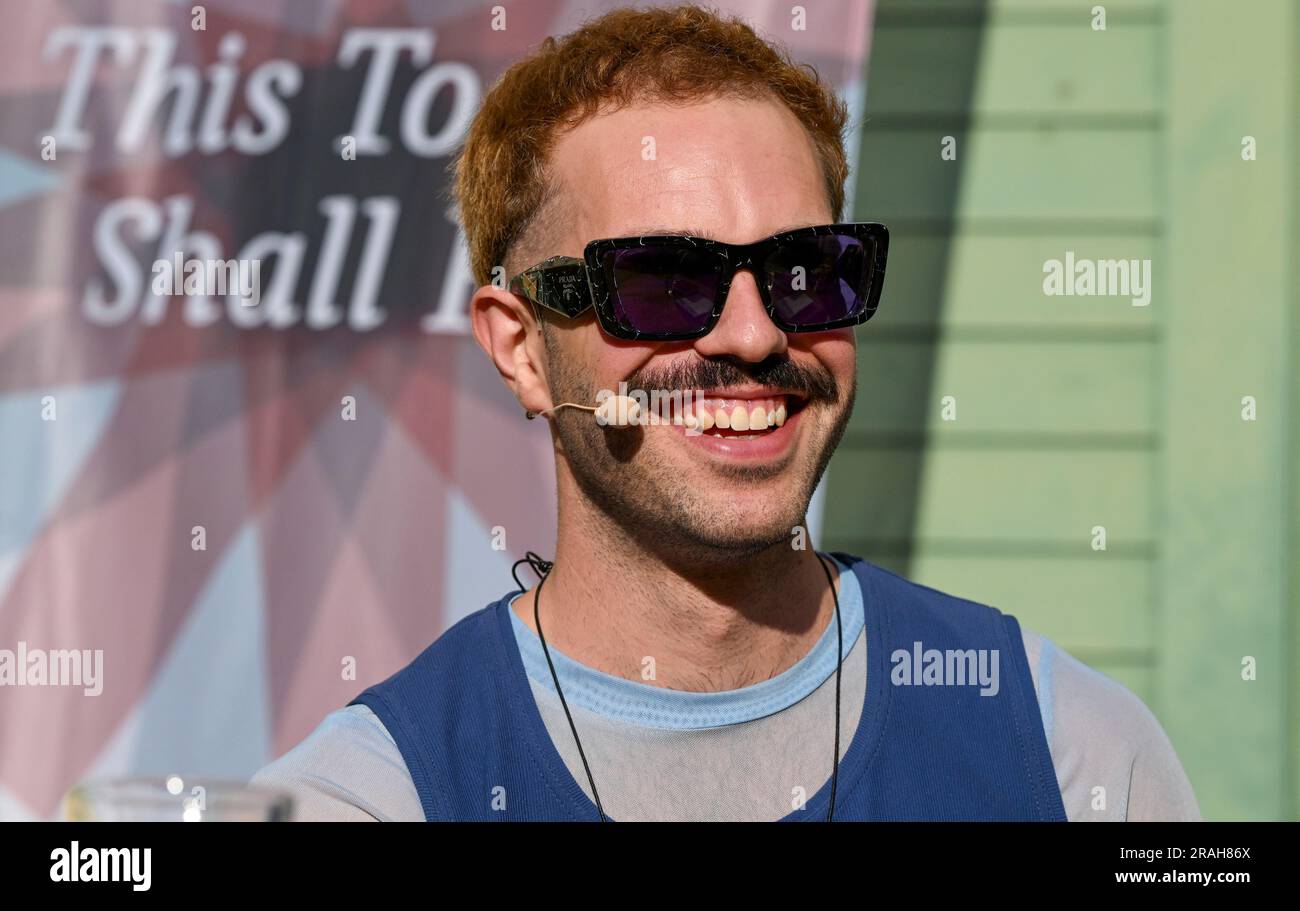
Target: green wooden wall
x: 1077, y: 412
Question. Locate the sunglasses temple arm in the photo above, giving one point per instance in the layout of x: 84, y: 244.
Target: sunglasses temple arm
x: 559, y: 285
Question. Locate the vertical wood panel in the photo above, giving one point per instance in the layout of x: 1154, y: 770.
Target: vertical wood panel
x: 1224, y: 529
x: 1152, y: 172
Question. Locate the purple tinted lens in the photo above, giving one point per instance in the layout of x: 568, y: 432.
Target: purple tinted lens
x: 822, y: 279
x: 662, y: 290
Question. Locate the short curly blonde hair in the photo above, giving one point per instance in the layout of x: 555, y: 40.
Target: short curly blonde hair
x: 677, y: 54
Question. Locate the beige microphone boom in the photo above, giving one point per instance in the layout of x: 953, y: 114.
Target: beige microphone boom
x: 615, y: 411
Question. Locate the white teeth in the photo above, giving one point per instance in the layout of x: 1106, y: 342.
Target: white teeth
x: 754, y: 415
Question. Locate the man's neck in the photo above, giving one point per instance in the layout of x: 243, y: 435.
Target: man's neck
x: 704, y: 627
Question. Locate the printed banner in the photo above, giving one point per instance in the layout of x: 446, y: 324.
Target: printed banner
x: 222, y: 514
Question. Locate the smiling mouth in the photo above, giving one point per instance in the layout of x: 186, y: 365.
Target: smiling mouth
x: 733, y: 418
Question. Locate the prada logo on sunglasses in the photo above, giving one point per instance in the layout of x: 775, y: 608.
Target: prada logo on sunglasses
x: 568, y: 285
x: 671, y: 287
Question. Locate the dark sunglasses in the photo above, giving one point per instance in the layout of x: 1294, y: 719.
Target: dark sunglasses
x: 669, y: 287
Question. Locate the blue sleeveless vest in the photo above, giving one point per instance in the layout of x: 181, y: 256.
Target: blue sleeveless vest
x: 463, y: 715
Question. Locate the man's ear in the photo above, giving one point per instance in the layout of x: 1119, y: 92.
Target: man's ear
x: 506, y: 328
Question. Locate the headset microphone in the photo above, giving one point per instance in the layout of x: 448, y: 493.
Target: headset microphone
x: 615, y: 411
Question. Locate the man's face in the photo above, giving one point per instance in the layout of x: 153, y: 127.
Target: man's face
x: 736, y: 171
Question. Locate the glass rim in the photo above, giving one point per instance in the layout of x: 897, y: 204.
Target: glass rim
x: 152, y: 791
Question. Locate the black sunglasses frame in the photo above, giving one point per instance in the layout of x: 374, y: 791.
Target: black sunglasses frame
x: 570, y: 286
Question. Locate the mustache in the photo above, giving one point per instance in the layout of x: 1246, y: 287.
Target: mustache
x: 814, y: 381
